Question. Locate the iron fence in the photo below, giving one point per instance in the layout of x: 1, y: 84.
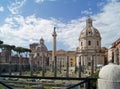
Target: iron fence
x: 86, y: 81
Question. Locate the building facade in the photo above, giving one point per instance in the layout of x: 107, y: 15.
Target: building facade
x: 89, y: 53
x: 66, y: 59
x: 39, y: 56
x: 12, y: 61
x: 111, y: 49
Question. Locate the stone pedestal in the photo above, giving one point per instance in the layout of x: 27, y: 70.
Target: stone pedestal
x: 109, y: 77
x: 106, y: 84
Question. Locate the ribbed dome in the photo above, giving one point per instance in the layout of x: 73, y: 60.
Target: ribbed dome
x: 89, y: 30
x: 110, y: 72
x: 41, y: 46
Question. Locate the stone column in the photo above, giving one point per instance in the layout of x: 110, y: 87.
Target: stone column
x: 55, y: 67
x: 67, y: 67
x: 43, y: 65
x: 79, y: 68
x: 85, y: 61
x: 31, y: 67
x: 54, y: 49
x: 92, y: 64
x: 81, y: 60
x: 116, y: 56
x: 95, y: 61
x: 60, y: 66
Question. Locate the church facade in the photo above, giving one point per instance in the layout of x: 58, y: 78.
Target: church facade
x: 88, y: 53
x: 41, y: 55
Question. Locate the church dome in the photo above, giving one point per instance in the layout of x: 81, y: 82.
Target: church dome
x: 41, y: 46
x: 89, y: 30
x: 110, y: 72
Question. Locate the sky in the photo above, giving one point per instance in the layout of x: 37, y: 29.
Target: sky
x: 23, y: 22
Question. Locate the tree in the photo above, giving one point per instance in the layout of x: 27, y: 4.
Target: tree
x: 26, y: 50
x: 8, y: 48
x: 94, y: 83
x: 1, y: 42
x: 19, y: 50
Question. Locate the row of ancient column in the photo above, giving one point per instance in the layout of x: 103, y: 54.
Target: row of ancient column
x: 88, y: 61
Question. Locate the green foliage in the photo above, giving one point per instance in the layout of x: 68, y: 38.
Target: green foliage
x: 95, y: 75
x: 93, y: 84
x: 21, y: 50
x: 1, y: 42
x: 27, y: 87
x: 2, y: 87
x: 7, y: 47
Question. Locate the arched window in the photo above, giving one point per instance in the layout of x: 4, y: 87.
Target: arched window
x: 71, y: 64
x: 97, y: 43
x: 37, y: 54
x: 89, y: 42
x: 81, y: 43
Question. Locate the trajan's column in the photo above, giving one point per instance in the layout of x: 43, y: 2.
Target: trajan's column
x: 54, y: 51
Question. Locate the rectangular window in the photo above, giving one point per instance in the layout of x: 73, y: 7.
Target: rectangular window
x: 89, y: 43
x: 97, y: 43
x: 81, y: 43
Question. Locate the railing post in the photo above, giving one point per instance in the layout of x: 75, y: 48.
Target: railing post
x: 87, y: 83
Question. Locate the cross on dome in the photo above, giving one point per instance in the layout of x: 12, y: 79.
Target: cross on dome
x: 89, y: 22
x: 41, y: 41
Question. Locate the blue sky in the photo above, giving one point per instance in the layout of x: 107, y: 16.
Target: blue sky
x: 23, y: 22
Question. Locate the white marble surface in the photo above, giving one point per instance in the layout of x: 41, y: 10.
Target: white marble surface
x: 104, y: 84
x: 109, y: 77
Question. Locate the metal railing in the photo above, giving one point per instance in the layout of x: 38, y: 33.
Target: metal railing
x: 85, y: 81
x: 5, y: 85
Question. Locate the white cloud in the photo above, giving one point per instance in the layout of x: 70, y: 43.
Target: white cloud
x: 87, y: 12
x: 108, y: 22
x: 1, y: 9
x: 22, y: 31
x: 40, y: 1
x: 14, y: 7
